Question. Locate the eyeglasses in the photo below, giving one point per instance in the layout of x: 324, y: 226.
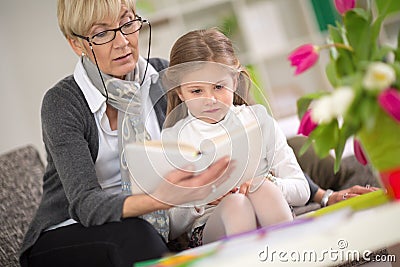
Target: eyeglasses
x: 109, y: 35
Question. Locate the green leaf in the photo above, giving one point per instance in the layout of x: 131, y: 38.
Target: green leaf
x: 305, y: 146
x: 368, y: 110
x: 325, y: 138
x: 350, y: 80
x: 344, y: 64
x: 349, y: 128
x: 396, y: 67
x: 381, y: 53
x: 339, y: 150
x: 352, y: 118
x: 331, y: 73
x: 341, y: 58
x: 385, y: 7
x: 397, y: 51
x: 375, y: 30
x: 338, y: 159
x: 335, y: 34
x: 357, y: 22
x: 304, y: 102
x: 381, y: 143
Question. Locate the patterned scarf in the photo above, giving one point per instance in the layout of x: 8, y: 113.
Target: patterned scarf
x: 125, y: 96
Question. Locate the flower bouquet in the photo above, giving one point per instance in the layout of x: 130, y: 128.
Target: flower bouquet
x: 364, y: 101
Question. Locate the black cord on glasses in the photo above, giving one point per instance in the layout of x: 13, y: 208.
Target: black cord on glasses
x: 148, y: 50
x: 101, y: 76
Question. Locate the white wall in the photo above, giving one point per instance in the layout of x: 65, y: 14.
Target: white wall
x: 34, y: 55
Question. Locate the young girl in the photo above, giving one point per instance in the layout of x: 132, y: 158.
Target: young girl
x: 212, y: 87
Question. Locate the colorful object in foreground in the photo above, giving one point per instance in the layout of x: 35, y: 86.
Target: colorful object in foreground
x: 306, y: 124
x: 343, y: 6
x: 391, y: 181
x: 179, y: 260
x: 359, y: 153
x: 361, y: 202
x: 304, y: 57
x: 389, y: 100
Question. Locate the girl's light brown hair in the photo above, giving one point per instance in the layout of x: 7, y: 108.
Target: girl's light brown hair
x: 205, y: 45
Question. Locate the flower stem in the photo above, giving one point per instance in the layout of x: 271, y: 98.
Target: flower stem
x: 337, y: 45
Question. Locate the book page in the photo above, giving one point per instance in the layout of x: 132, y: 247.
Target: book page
x: 150, y: 162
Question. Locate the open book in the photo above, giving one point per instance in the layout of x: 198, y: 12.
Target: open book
x: 149, y: 162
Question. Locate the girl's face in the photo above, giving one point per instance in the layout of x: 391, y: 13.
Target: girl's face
x: 118, y: 57
x: 208, y: 101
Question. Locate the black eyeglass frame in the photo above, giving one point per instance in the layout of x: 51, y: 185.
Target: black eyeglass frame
x: 90, y: 39
x: 115, y: 32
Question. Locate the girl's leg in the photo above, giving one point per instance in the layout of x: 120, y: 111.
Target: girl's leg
x: 116, y: 244
x: 233, y: 215
x: 270, y: 205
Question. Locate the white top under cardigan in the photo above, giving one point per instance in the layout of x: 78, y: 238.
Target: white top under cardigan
x: 107, y: 164
x: 290, y: 177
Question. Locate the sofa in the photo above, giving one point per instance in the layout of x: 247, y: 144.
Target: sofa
x: 21, y: 172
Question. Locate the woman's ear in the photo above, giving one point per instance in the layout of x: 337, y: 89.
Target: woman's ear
x: 76, y: 46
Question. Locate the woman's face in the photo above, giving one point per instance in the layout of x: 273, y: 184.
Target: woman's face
x: 118, y: 57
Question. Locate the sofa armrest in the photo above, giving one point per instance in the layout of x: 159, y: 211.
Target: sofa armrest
x: 21, y: 172
x: 307, y: 208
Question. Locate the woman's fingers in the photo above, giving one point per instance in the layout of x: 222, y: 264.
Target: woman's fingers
x: 185, y: 186
x: 184, y: 178
x: 353, y: 191
x: 357, y: 189
x: 217, y: 172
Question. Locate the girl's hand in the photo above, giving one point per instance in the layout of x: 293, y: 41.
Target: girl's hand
x: 217, y: 201
x: 244, y: 188
x: 180, y: 187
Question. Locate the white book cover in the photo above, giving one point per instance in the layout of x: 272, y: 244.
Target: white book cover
x: 151, y: 161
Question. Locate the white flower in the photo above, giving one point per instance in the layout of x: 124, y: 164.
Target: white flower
x: 342, y: 98
x: 322, y: 111
x: 379, y: 76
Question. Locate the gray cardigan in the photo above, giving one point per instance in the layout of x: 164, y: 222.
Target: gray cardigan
x: 70, y: 185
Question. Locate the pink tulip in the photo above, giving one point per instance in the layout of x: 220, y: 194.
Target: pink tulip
x: 304, y: 57
x: 359, y: 153
x: 389, y: 100
x: 343, y: 6
x: 307, y: 125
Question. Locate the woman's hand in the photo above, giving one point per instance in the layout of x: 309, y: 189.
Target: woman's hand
x: 349, y: 193
x: 180, y: 187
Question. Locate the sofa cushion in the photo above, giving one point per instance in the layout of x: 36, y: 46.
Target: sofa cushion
x: 21, y: 172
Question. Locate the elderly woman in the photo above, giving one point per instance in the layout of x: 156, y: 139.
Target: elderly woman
x: 85, y: 218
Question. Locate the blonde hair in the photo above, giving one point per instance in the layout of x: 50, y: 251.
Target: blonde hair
x: 204, y: 45
x: 78, y: 16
